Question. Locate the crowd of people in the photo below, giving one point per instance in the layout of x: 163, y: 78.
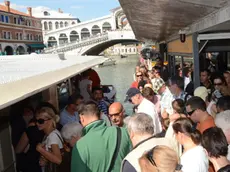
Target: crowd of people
x: 173, y: 127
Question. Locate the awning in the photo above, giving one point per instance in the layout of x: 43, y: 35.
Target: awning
x: 157, y: 20
x: 36, y: 45
x: 26, y: 75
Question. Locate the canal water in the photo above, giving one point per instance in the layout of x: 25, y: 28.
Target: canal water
x: 121, y: 77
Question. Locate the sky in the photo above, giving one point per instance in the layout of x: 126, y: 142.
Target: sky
x: 82, y: 9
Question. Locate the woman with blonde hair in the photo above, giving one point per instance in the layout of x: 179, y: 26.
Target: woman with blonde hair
x: 160, y: 159
x: 52, y: 145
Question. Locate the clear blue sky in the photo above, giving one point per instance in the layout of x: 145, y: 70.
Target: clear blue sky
x: 83, y: 9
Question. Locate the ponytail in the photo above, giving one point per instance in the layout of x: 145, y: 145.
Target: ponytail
x: 187, y: 127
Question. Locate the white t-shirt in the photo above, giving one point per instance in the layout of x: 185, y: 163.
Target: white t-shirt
x: 148, y: 108
x: 228, y: 156
x: 53, y: 139
x: 186, y: 82
x: 83, y: 86
x: 195, y: 160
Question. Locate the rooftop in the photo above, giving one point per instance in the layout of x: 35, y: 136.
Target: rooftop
x: 13, y: 11
x: 45, y: 12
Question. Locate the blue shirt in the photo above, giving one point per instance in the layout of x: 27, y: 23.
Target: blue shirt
x: 66, y: 117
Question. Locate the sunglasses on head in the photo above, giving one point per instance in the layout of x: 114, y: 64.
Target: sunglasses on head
x: 190, y: 113
x: 150, y: 156
x: 41, y: 121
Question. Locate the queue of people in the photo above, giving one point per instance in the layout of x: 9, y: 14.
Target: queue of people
x: 171, y: 130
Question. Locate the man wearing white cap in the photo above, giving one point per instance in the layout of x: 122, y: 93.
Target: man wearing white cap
x: 160, y: 88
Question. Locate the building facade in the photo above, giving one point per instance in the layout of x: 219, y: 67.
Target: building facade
x: 20, y: 33
x: 53, y: 20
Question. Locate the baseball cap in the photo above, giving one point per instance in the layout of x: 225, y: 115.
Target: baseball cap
x: 131, y: 92
x: 157, y: 84
x: 201, y: 92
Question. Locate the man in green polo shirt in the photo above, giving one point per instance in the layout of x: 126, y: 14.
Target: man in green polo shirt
x: 101, y: 148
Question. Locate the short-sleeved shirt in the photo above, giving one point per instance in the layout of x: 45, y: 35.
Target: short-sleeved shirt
x: 66, y: 117
x: 204, y: 125
x: 195, y: 160
x: 54, y: 138
x: 166, y: 102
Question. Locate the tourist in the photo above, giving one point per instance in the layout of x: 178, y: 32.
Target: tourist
x: 216, y: 145
x: 139, y: 77
x: 32, y: 136
x: 227, y: 78
x: 71, y: 133
x: 141, y: 85
x: 141, y: 131
x: 187, y: 77
x: 160, y: 159
x: 98, y: 98
x: 223, y: 121
x: 223, y: 104
x: 160, y: 88
x: 201, y: 92
x: 137, y: 70
x: 69, y: 113
x: 117, y: 114
x: 101, y: 148
x: 193, y: 158
x: 219, y: 84
x: 156, y: 73
x: 85, y: 86
x: 52, y: 145
x: 148, y: 93
x: 135, y: 97
x: 178, y: 110
x: 196, y: 110
x: 94, y: 77
x: 205, y: 76
x: 176, y: 86
x: 163, y: 69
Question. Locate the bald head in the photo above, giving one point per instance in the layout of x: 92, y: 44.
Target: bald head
x: 116, y: 106
x: 116, y: 113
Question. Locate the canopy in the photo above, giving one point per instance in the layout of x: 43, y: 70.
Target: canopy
x: 158, y: 20
x: 36, y: 45
x: 25, y: 75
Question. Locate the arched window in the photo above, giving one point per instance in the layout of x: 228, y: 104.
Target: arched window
x: 95, y: 30
x: 50, y: 26
x: 85, y: 33
x: 28, y: 36
x: 106, y: 26
x: 73, y: 23
x: 45, y: 26
x: 56, y: 25
x: 46, y: 13
x: 66, y: 24
x: 61, y: 25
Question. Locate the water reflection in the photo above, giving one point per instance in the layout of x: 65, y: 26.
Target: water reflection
x: 121, y: 76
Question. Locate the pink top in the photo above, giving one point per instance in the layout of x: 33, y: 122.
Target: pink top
x: 157, y: 104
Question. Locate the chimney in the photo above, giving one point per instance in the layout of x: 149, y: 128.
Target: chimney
x: 29, y: 9
x: 59, y: 10
x: 7, y: 4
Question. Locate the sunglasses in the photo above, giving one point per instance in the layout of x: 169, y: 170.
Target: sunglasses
x: 219, y: 84
x: 150, y: 156
x: 138, y: 75
x: 191, y: 112
x: 41, y: 121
